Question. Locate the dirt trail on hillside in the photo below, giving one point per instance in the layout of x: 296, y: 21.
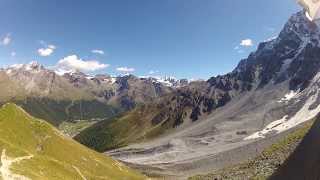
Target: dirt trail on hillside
x: 7, y: 162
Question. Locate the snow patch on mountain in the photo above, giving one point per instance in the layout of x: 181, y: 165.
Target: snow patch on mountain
x: 32, y: 67
x: 289, y: 96
x: 168, y: 81
x: 306, y: 113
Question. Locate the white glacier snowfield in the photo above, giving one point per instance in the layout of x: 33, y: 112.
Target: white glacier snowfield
x: 306, y: 113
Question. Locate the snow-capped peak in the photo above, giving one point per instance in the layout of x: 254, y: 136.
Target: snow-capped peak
x: 32, y: 67
x: 168, y: 81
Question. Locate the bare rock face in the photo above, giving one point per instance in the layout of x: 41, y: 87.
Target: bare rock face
x: 124, y: 92
x: 292, y: 56
x: 33, y: 81
x: 273, y: 90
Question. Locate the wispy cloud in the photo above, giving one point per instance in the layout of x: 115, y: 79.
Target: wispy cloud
x: 153, y: 72
x: 125, y: 69
x: 246, y: 42
x: 72, y: 62
x: 6, y: 40
x: 47, y: 50
x: 240, y: 51
x: 13, y: 54
x: 97, y: 51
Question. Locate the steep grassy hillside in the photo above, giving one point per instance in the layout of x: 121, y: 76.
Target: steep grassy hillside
x: 57, y: 112
x: 181, y: 107
x: 263, y: 166
x: 73, y: 128
x: 33, y: 149
x: 120, y: 131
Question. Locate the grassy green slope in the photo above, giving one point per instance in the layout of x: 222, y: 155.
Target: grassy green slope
x: 50, y: 155
x: 114, y: 133
x: 263, y: 166
x: 63, y: 102
x: 57, y: 112
x: 73, y: 128
x: 122, y: 130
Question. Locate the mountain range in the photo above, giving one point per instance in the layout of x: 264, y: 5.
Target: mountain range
x: 57, y: 97
x: 184, y: 132
x: 178, y: 128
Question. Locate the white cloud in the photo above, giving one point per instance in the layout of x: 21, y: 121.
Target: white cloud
x: 13, y: 54
x: 153, y: 72
x: 47, y: 51
x: 125, y: 69
x: 52, y: 46
x: 72, y: 62
x: 246, y: 42
x: 240, y: 51
x: 6, y: 40
x: 98, y: 51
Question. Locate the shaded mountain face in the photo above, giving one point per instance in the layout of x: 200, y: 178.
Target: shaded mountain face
x: 303, y: 163
x: 75, y: 96
x: 124, y: 92
x: 193, y: 129
x: 292, y: 57
x: 267, y: 83
x: 33, y: 149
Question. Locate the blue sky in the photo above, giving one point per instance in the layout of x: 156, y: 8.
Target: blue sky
x: 182, y: 38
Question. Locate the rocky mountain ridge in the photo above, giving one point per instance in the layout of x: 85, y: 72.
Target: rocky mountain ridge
x: 271, y: 91
x: 71, y: 94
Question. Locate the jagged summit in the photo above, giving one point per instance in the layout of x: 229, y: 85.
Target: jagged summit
x: 72, y: 95
x: 273, y: 90
x: 33, y: 66
x: 280, y: 59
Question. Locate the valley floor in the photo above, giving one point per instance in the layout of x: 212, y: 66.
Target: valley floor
x: 265, y: 164
x: 264, y: 157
